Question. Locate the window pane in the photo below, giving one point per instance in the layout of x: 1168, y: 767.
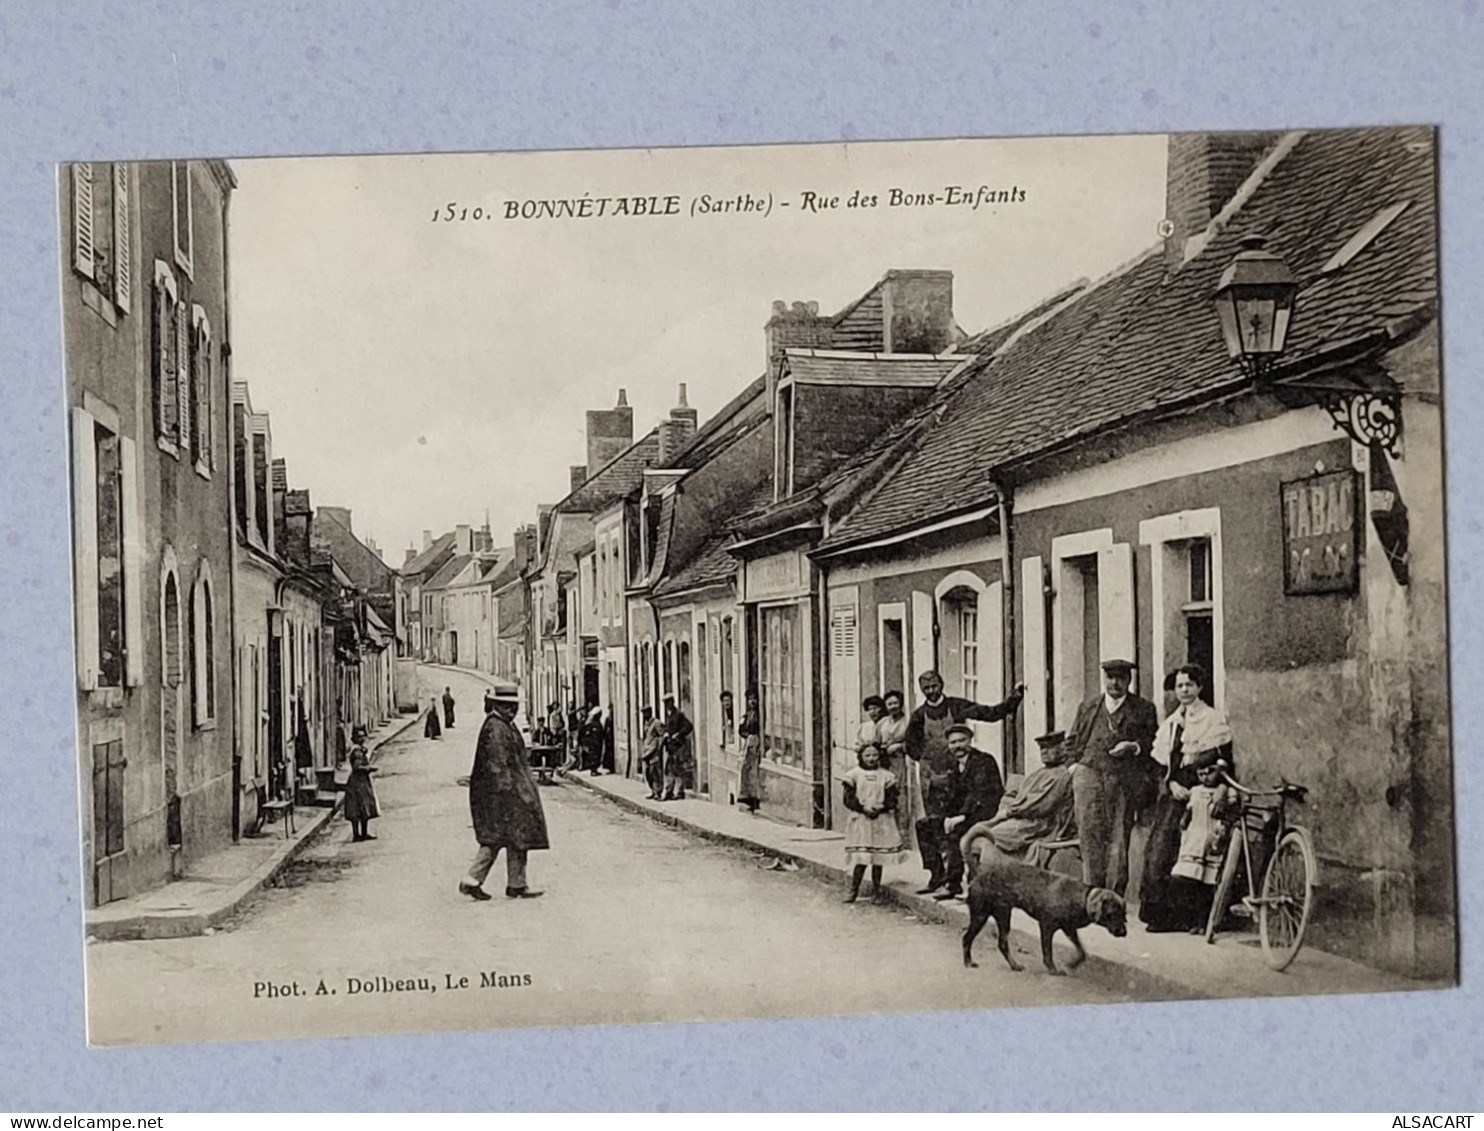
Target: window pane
x: 110, y: 558
x: 1200, y: 570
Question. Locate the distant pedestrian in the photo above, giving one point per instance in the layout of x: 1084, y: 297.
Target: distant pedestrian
x: 750, y: 780
x: 680, y: 758
x: 590, y: 741
x: 872, y: 838
x: 360, y: 794
x: 431, y: 727
x: 609, y: 762
x: 653, y: 758
x: 504, y: 803
x: 448, y: 702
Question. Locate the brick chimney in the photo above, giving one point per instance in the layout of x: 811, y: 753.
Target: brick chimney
x: 917, y: 311
x: 525, y: 547
x: 463, y: 539
x: 298, y: 520
x: 408, y: 556
x: 793, y: 327
x: 610, y: 432
x: 577, y: 474
x: 427, y: 539
x: 1204, y: 172
x: 679, y: 430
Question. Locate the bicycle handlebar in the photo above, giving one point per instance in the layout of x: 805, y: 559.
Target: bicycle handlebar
x: 1282, y: 789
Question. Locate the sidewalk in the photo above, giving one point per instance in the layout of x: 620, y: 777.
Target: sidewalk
x: 1144, y: 966
x: 214, y: 886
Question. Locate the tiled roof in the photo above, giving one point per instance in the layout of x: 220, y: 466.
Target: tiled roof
x: 711, y: 565
x: 615, y: 479
x: 450, y: 570
x: 838, y: 367
x: 428, y: 556
x: 1145, y: 340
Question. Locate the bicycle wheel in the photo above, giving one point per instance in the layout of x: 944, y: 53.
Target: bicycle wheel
x: 1229, y: 868
x: 1287, y: 898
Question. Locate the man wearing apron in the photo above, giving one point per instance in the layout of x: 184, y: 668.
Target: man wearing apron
x: 927, y: 745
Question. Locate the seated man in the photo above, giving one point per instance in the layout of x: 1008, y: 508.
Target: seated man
x: 1039, y: 811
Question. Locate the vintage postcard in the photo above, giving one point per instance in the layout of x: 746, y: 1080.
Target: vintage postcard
x: 533, y: 589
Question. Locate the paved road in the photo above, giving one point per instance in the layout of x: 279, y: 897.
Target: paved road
x: 639, y: 923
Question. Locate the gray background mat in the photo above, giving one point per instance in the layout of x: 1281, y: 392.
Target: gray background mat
x: 234, y: 78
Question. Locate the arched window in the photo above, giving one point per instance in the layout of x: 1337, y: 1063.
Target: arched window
x: 171, y: 674
x: 203, y: 649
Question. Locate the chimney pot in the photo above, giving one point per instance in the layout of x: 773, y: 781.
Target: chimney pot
x: 623, y: 398
x: 778, y: 308
x: 683, y: 402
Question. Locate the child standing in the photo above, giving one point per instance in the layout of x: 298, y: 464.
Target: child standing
x: 1204, y: 832
x: 360, y: 795
x: 871, y: 834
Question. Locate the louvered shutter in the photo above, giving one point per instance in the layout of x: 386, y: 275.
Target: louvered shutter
x: 123, y: 254
x: 167, y: 406
x: 200, y: 358
x: 82, y: 219
x: 133, y: 532
x: 183, y: 377
x: 85, y: 546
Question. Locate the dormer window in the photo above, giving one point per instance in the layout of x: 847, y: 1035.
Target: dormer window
x: 784, y: 465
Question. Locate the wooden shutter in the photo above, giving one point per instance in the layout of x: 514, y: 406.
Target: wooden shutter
x: 166, y: 403
x: 924, y: 653
x: 1033, y: 712
x: 133, y: 532
x: 1116, y: 638
x: 199, y: 659
x: 85, y: 546
x: 990, y: 623
x: 82, y: 219
x: 183, y: 377
x: 123, y: 270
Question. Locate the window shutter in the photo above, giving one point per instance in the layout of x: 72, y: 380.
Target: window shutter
x: 167, y: 407
x: 923, y: 652
x: 1033, y: 713
x: 183, y: 377
x: 198, y: 653
x: 133, y: 529
x: 82, y: 219
x: 123, y: 270
x: 85, y: 546
x: 990, y: 626
x: 1116, y: 638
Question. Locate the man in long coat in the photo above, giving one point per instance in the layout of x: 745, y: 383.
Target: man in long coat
x: 504, y: 803
x: 448, y: 702
x: 1110, y: 741
x: 680, y: 758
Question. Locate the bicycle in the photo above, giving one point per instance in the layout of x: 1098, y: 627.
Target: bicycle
x: 1286, y: 901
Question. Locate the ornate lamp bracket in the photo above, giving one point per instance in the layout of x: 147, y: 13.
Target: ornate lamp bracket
x: 1368, y: 418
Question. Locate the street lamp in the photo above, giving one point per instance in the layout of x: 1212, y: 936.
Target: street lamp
x: 1254, y: 301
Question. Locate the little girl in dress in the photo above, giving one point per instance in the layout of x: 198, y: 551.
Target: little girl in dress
x: 871, y: 834
x: 1204, y: 834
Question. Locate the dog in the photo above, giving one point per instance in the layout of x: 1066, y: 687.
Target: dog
x: 1057, y: 903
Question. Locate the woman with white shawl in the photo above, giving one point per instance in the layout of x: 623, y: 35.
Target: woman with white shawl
x: 1192, y: 728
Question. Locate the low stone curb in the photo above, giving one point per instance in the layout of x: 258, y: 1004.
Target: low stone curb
x: 185, y: 922
x: 1121, y: 977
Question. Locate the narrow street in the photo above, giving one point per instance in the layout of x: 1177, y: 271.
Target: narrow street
x: 639, y: 922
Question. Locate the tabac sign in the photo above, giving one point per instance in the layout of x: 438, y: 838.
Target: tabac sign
x: 1321, y: 534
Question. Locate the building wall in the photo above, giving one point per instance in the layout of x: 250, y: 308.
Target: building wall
x: 1320, y: 689
x: 177, y: 527
x: 897, y: 614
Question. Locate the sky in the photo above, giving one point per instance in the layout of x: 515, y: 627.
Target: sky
x: 424, y: 372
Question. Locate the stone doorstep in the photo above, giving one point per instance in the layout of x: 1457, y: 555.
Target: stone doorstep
x: 113, y: 923
x: 1125, y: 975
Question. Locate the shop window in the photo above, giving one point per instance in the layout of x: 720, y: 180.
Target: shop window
x: 781, y: 668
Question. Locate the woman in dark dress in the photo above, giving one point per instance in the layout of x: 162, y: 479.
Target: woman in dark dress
x: 360, y: 794
x: 431, y: 727
x: 1192, y: 728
